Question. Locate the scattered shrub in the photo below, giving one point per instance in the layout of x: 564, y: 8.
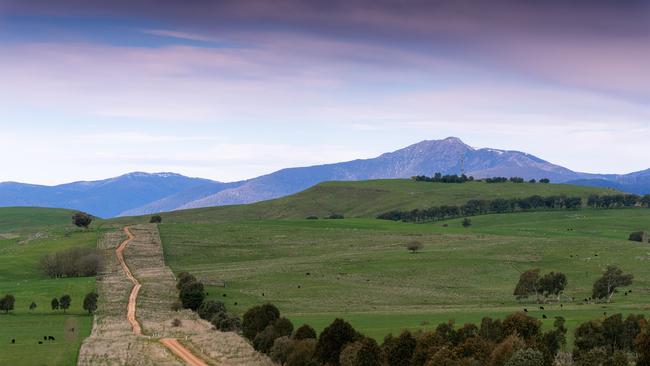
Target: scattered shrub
x: 176, y: 323
x: 210, y: 308
x: 640, y: 236
x: 312, y: 217
x: 7, y: 303
x: 155, y: 219
x: 526, y: 357
x: 414, y: 246
x: 335, y: 217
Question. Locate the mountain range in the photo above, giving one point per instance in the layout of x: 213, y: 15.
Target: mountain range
x: 144, y: 193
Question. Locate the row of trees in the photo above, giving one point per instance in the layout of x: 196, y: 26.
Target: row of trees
x: 454, y: 178
x: 618, y: 201
x: 90, y: 303
x: 72, y: 262
x: 482, y: 207
x: 192, y: 296
x: 517, y: 340
x: 531, y: 283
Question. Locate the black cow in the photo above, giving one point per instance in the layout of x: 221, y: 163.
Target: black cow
x: 50, y: 338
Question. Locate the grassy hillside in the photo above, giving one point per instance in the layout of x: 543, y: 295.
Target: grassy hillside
x: 28, y: 234
x: 369, y: 198
x: 359, y: 269
x: 19, y: 219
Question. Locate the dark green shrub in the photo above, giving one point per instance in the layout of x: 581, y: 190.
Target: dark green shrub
x: 304, y: 332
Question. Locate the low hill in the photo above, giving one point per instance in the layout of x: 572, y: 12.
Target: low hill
x: 370, y: 198
x: 18, y: 219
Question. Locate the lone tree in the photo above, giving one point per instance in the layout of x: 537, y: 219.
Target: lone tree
x: 82, y: 219
x: 55, y: 304
x: 414, y: 246
x: 528, y: 284
x: 155, y: 219
x: 64, y: 302
x: 467, y: 222
x: 607, y: 285
x: 90, y: 302
x: 7, y: 303
x: 32, y: 306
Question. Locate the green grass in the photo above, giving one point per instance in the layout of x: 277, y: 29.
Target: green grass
x: 30, y: 234
x: 360, y: 270
x: 370, y: 198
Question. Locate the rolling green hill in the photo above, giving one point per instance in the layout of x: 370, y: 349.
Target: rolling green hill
x: 359, y: 269
x: 366, y: 199
x: 26, y: 236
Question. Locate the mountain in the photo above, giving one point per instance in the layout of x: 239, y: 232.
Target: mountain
x: 448, y: 156
x: 104, y: 198
x: 142, y: 193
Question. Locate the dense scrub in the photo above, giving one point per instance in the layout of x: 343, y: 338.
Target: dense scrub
x: 73, y: 262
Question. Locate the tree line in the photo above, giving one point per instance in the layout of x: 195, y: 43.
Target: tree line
x: 72, y: 262
x: 517, y: 340
x: 455, y: 178
x: 501, y: 205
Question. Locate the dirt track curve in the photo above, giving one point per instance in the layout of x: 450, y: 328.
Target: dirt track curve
x: 172, y: 344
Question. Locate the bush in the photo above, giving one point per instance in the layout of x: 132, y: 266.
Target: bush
x: 304, y: 332
x: 640, y: 236
x: 192, y: 295
x: 155, y: 219
x: 398, y: 351
x: 72, y: 262
x: 526, y: 357
x: 184, y: 278
x: 414, y: 246
x: 176, y: 323
x: 312, y: 217
x: 210, y: 308
x: 283, y: 327
x: 264, y: 340
x: 332, y: 340
x: 226, y: 322
x: 335, y: 217
x: 467, y: 222
x: 257, y: 318
x: 282, y: 348
x: 82, y: 219
x: 303, y: 354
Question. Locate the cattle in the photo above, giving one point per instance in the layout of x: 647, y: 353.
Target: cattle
x: 525, y: 310
x: 45, y: 338
x: 541, y: 308
x: 236, y: 303
x: 13, y: 341
x: 544, y: 316
x: 50, y: 338
x: 40, y: 342
x: 307, y: 274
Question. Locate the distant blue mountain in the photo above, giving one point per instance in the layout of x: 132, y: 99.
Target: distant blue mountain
x: 104, y: 198
x: 143, y: 193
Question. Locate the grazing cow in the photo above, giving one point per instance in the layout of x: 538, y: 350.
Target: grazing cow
x: 40, y: 342
x: 224, y: 295
x: 541, y: 308
x: 262, y: 294
x: 525, y: 310
x: 604, y: 313
x: 13, y: 341
x: 236, y: 303
x: 45, y: 338
x: 50, y: 338
x: 544, y: 316
x: 308, y: 273
x: 561, y: 306
x: 299, y: 286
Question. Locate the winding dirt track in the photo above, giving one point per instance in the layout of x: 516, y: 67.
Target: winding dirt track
x: 172, y: 344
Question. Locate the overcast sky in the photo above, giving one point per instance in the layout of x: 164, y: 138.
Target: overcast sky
x: 233, y: 89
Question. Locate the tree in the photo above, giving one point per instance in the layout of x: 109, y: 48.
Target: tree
x: 304, y: 332
x: 82, y: 219
x: 7, y: 303
x: 282, y: 348
x: 155, y: 219
x: 55, y: 304
x: 192, y: 295
x: 528, y: 284
x: 303, y: 354
x: 332, y: 340
x: 398, y: 351
x: 545, y: 180
x: 90, y: 302
x: 364, y: 352
x: 608, y: 284
x: 642, y: 344
x: 414, y: 246
x: 257, y: 318
x: 184, y: 278
x: 552, y: 284
x: 32, y: 306
x: 640, y: 236
x: 210, y: 308
x: 467, y: 222
x: 64, y: 302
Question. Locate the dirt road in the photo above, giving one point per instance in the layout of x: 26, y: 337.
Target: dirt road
x: 171, y: 343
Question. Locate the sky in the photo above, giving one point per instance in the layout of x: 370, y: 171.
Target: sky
x: 229, y: 90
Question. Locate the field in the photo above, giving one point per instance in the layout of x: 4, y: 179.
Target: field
x: 26, y: 235
x: 358, y: 269
x: 367, y: 199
